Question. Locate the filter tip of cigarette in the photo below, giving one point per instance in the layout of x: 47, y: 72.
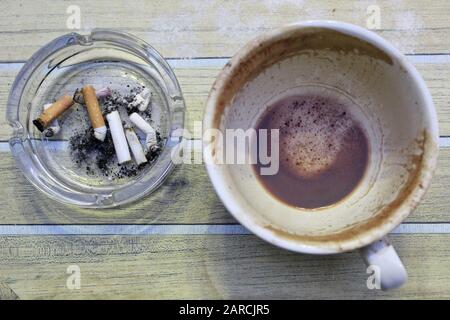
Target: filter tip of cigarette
x: 100, y: 133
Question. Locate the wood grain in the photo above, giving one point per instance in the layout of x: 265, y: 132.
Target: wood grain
x: 209, y: 267
x: 180, y: 28
x: 6, y: 293
x: 196, y: 82
x: 186, y: 197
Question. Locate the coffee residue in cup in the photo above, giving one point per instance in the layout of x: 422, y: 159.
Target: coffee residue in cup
x: 323, y: 151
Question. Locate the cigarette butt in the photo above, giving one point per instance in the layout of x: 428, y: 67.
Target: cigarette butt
x: 142, y: 100
x: 150, y: 141
x: 141, y: 124
x: 54, y: 127
x: 52, y: 112
x: 118, y: 136
x: 135, y: 146
x: 94, y: 112
x: 100, y: 93
x: 150, y: 138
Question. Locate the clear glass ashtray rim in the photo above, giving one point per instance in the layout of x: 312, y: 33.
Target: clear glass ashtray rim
x: 27, y: 161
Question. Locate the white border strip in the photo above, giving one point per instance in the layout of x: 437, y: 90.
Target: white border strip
x: 198, y: 229
x: 429, y: 58
x: 180, y: 63
x: 422, y: 228
x: 444, y: 142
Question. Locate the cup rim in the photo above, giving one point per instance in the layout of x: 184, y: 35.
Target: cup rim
x: 370, y: 235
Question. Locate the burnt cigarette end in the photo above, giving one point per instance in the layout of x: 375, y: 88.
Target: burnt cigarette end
x: 39, y: 124
x: 52, y: 112
x: 78, y: 96
x: 49, y: 133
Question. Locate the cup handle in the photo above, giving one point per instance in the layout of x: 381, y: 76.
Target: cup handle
x: 388, y: 266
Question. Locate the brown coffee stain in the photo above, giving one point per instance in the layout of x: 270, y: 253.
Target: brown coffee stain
x: 262, y: 53
x: 410, y: 194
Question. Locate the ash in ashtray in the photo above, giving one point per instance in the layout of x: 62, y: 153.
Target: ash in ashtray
x: 111, y: 157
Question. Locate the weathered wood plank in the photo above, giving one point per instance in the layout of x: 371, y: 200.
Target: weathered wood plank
x: 6, y: 293
x: 216, y: 28
x: 196, y: 82
x: 186, y: 197
x: 196, y: 267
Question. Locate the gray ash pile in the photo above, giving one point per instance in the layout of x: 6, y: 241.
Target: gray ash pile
x: 99, y: 158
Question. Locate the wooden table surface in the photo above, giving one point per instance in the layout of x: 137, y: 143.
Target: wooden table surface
x: 180, y: 242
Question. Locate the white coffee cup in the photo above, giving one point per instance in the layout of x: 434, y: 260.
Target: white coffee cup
x: 393, y: 105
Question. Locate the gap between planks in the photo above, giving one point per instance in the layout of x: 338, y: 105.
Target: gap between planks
x: 183, y: 229
x: 218, y: 62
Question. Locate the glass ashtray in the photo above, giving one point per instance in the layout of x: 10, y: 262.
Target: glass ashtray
x: 102, y: 58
